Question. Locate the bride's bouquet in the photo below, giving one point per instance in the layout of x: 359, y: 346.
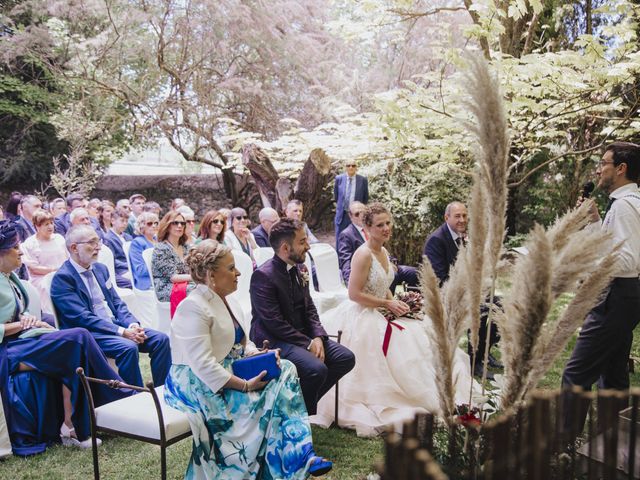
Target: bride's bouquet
x: 413, y: 299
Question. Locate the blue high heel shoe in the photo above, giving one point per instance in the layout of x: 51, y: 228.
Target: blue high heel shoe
x: 319, y: 466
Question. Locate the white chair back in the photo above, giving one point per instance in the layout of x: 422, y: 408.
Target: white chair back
x: 46, y: 302
x: 105, y: 256
x: 262, y: 254
x: 162, y: 322
x: 35, y: 307
x: 327, y: 269
x: 241, y: 295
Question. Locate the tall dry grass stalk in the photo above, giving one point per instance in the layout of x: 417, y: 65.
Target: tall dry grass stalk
x: 525, y: 311
x: 436, y: 326
x: 474, y: 260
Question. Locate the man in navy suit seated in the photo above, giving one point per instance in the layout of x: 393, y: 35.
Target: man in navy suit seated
x: 348, y: 188
x: 63, y: 223
x: 267, y: 216
x: 114, y: 239
x: 284, y: 314
x: 84, y: 297
x: 441, y: 248
x: 350, y: 240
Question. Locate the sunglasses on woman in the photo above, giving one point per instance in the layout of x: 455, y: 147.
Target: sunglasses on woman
x: 152, y: 224
x: 242, y: 217
x: 217, y: 221
x: 177, y: 223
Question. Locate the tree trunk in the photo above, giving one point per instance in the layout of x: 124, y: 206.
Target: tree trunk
x: 313, y: 179
x: 284, y: 193
x: 229, y: 181
x: 263, y: 172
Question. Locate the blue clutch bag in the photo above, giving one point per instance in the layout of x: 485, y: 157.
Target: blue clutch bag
x: 249, y: 367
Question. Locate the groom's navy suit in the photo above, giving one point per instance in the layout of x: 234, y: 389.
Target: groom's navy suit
x: 75, y: 308
x: 284, y: 314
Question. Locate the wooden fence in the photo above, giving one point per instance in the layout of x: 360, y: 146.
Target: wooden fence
x: 537, y: 442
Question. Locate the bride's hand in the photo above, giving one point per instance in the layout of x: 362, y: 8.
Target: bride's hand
x: 397, y: 307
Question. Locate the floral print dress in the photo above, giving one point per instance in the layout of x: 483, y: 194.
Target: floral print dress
x: 237, y: 436
x: 165, y: 263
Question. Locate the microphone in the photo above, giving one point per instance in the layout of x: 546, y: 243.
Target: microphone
x: 587, y: 189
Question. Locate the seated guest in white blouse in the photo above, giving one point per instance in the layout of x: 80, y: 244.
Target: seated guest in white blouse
x: 45, y: 251
x: 238, y: 235
x: 261, y: 426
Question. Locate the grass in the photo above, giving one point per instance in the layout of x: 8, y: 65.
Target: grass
x: 121, y: 458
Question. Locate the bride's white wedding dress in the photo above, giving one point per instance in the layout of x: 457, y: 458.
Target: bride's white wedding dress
x: 382, y: 390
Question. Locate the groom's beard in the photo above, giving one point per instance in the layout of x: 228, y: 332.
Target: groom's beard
x: 297, y: 257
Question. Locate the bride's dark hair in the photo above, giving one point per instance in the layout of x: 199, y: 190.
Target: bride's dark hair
x: 371, y: 210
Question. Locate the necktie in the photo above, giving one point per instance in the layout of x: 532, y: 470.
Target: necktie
x: 97, y: 297
x: 606, y: 210
x: 349, y: 186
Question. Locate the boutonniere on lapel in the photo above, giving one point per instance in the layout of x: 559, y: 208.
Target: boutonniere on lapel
x: 304, y: 275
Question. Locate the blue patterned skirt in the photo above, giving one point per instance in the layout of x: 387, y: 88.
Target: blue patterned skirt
x: 237, y: 436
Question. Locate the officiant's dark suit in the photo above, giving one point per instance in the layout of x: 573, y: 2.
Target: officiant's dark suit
x: 284, y: 314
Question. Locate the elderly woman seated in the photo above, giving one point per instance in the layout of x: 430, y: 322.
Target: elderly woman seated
x: 146, y: 230
x: 45, y: 251
x: 28, y: 344
x: 170, y: 274
x: 238, y: 235
x: 262, y: 427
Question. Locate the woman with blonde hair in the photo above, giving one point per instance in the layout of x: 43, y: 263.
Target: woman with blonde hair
x: 146, y: 230
x: 243, y: 429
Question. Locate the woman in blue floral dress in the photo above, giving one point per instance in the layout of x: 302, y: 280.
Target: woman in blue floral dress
x: 242, y: 429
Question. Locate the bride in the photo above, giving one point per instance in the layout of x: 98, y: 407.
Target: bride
x: 387, y: 386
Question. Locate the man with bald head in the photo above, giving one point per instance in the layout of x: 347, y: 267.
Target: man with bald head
x: 83, y: 296
x: 441, y: 248
x: 267, y: 217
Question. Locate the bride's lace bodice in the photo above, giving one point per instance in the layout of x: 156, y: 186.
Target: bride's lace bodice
x: 378, y: 280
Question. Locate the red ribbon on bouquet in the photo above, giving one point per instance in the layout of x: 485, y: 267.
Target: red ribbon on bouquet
x: 387, y: 335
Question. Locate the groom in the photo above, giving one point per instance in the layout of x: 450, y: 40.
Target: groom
x: 284, y: 314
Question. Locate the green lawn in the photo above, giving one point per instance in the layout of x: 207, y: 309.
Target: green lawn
x: 121, y: 459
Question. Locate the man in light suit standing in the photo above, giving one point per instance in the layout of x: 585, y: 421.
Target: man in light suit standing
x: 83, y: 296
x: 349, y: 187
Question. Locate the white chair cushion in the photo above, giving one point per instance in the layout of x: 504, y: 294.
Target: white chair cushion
x: 137, y: 415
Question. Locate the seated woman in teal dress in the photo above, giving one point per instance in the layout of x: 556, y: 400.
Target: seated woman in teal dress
x: 242, y: 429
x: 50, y: 358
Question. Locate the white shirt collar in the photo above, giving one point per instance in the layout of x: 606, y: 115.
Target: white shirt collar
x: 454, y: 235
x: 79, y: 268
x: 623, y: 190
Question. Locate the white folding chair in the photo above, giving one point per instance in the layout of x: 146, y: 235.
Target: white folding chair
x: 327, y: 269
x: 262, y: 254
x: 245, y: 267
x: 105, y: 256
x: 35, y: 307
x: 146, y: 310
x: 323, y: 300
x: 163, y: 319
x: 46, y: 304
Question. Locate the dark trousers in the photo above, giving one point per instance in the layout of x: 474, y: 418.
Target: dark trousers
x: 483, y: 333
x: 601, y: 353
x: 405, y: 274
x: 125, y: 353
x: 317, y: 377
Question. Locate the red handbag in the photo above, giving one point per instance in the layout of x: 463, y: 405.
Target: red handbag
x: 178, y: 293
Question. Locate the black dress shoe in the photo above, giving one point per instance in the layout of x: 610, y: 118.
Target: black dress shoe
x: 494, y: 362
x: 477, y: 372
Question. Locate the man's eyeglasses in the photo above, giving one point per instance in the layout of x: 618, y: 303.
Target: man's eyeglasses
x: 242, y: 217
x: 356, y: 214
x: 152, y: 224
x: 602, y: 163
x: 351, y: 165
x: 94, y: 243
x: 177, y: 223
x: 217, y: 221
